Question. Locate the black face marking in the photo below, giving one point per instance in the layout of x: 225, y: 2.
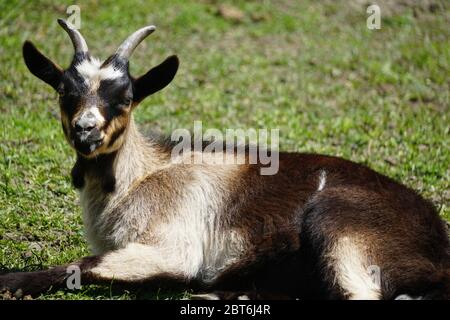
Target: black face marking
x: 116, y: 93
x: 115, y: 96
x: 73, y: 90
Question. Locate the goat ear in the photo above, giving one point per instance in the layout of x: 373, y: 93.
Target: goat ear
x: 155, y: 79
x: 41, y: 66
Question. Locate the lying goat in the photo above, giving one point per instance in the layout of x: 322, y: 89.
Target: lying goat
x: 315, y: 230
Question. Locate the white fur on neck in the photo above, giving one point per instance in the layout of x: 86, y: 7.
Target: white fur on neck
x: 189, y: 233
x: 134, y: 160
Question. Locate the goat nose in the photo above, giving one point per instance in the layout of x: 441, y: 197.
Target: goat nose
x: 86, y: 127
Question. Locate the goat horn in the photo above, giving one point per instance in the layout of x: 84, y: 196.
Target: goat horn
x: 127, y: 47
x: 79, y: 44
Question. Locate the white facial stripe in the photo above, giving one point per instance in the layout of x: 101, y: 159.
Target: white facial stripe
x: 91, y: 117
x: 98, y: 116
x: 109, y: 73
x: 93, y: 73
x: 88, y: 69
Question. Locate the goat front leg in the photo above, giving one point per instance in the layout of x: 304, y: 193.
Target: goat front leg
x: 136, y: 264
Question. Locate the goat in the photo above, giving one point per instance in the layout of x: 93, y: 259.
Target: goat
x: 314, y: 230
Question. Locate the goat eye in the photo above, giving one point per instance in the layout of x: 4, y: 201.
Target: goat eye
x: 126, y: 101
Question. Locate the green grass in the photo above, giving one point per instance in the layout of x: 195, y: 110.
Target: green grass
x: 310, y: 68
